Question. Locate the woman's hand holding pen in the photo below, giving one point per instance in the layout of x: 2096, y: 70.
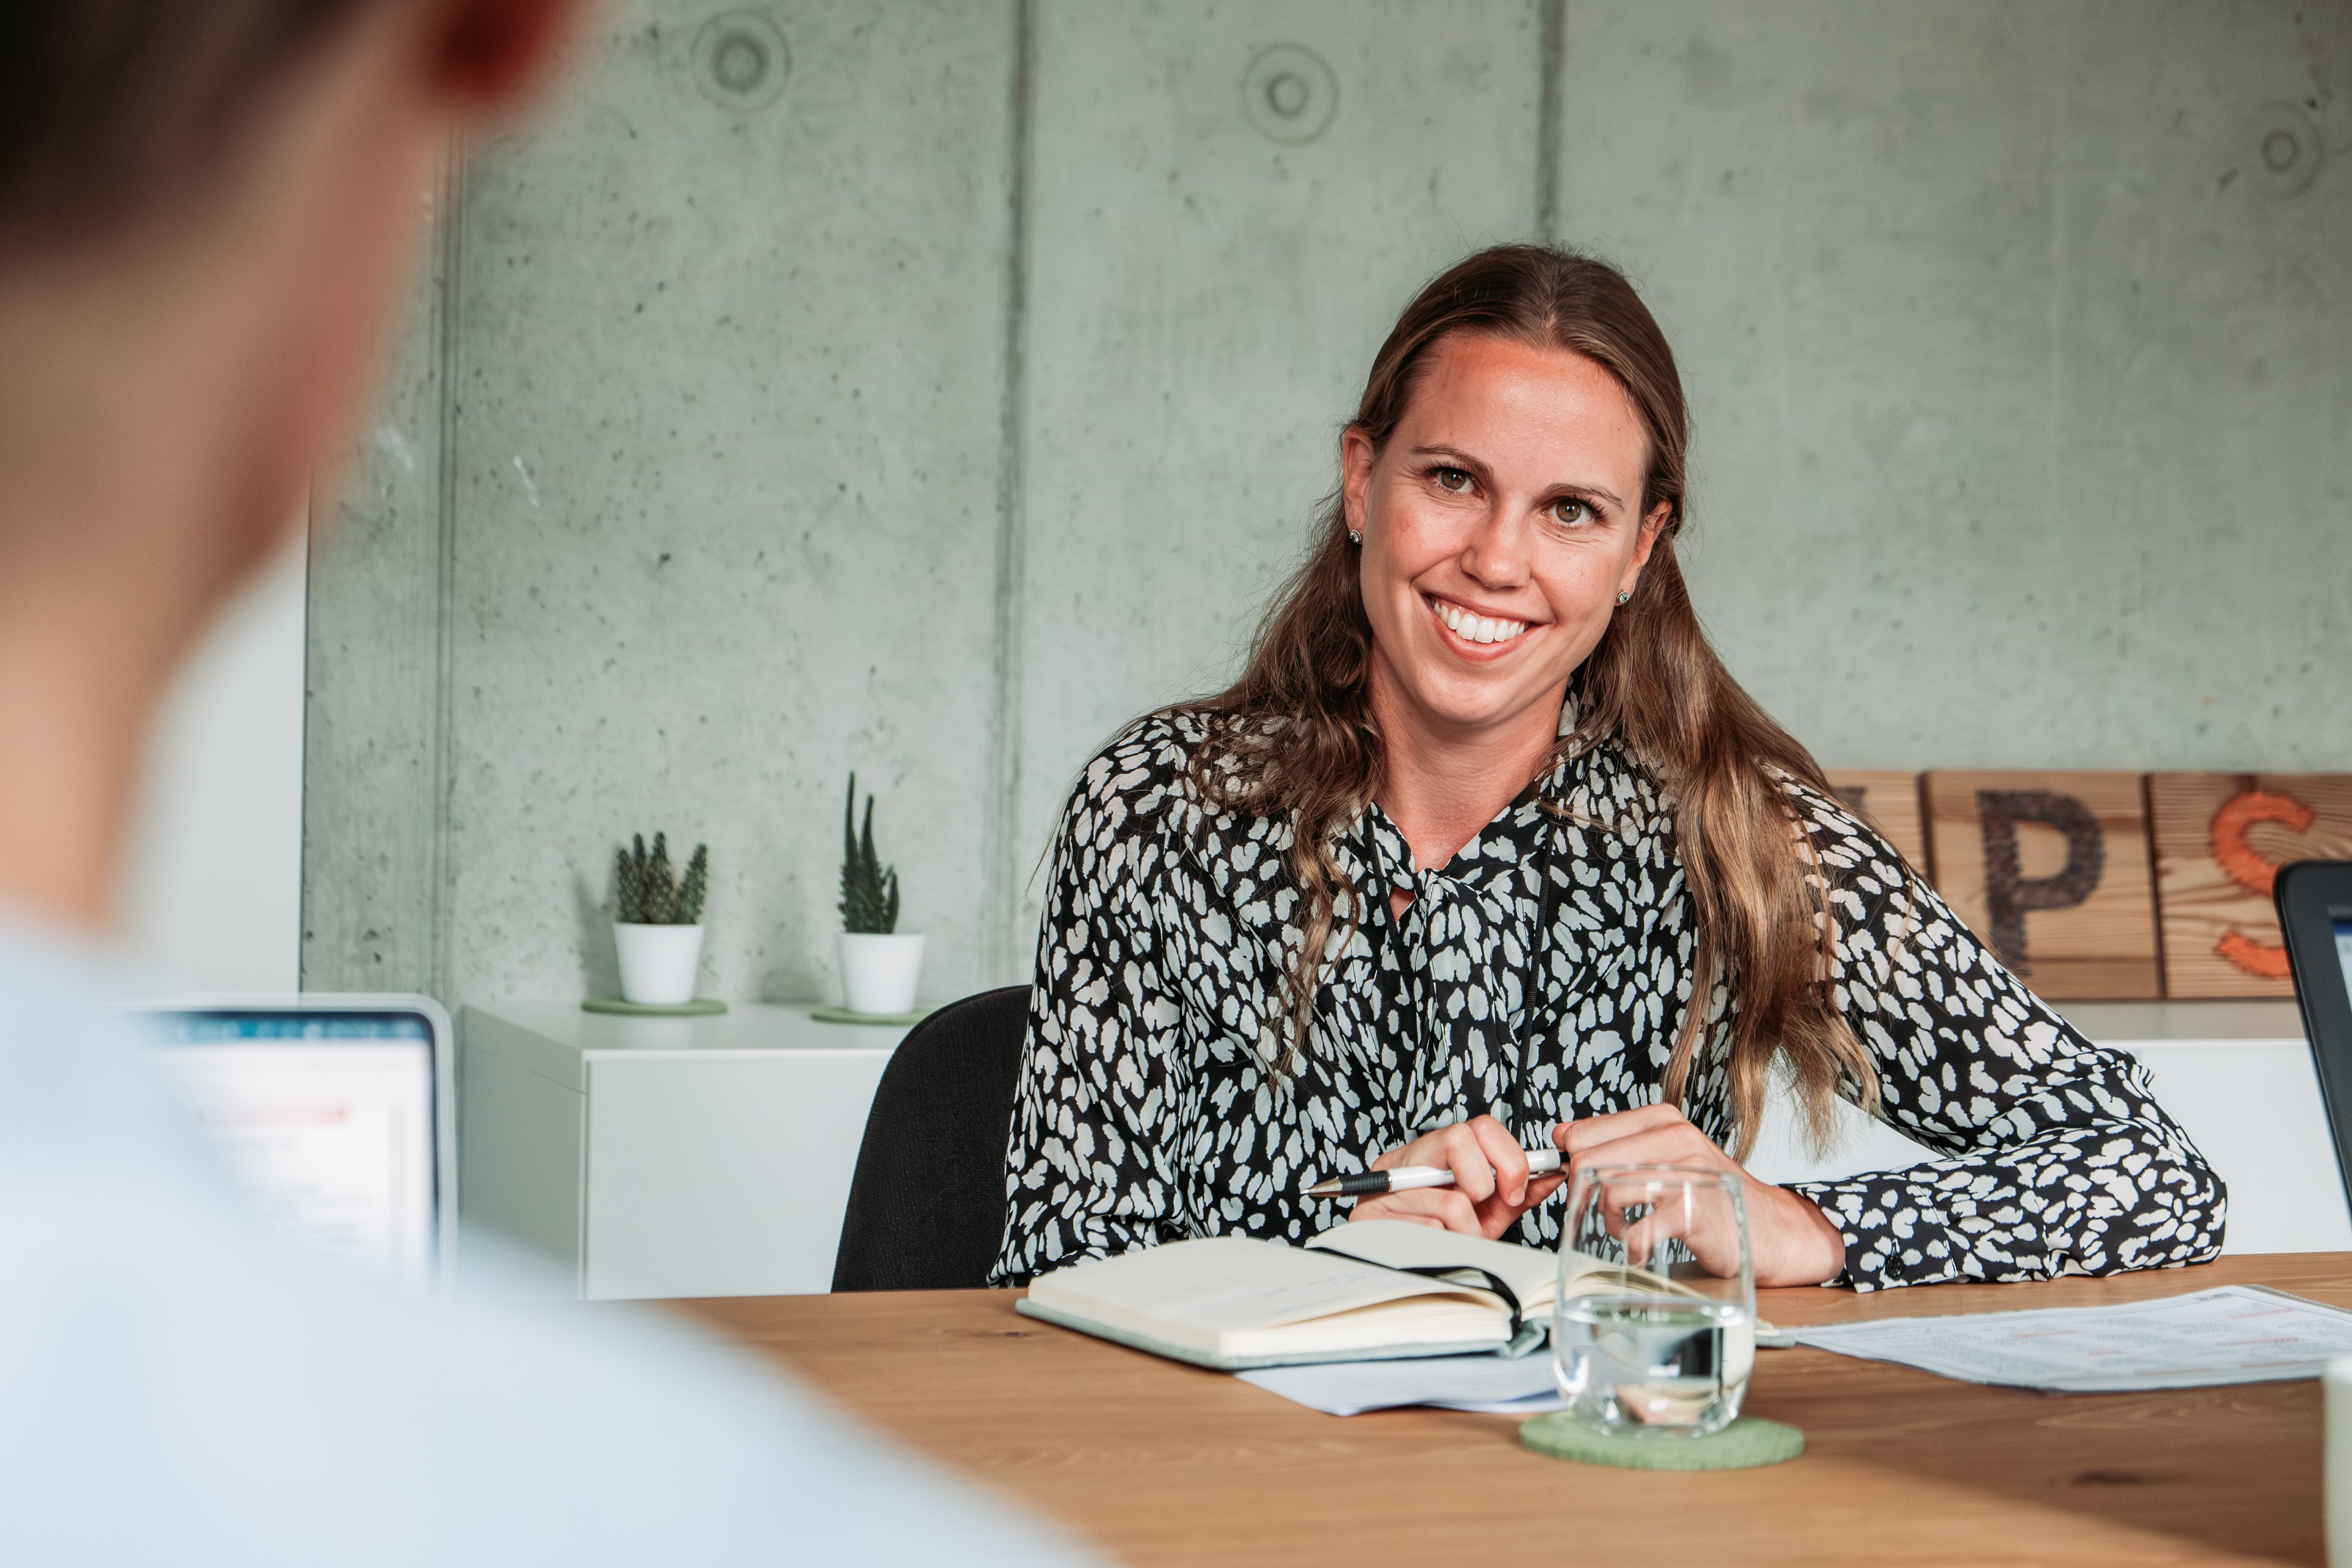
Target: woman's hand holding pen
x: 1491, y: 1186
x: 1794, y: 1243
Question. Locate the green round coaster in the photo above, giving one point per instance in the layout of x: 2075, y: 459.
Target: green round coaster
x: 1745, y: 1444
x: 844, y: 1016
x: 700, y: 1008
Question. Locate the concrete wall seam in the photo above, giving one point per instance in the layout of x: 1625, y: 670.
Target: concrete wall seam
x: 1551, y: 35
x: 452, y: 346
x: 1001, y: 842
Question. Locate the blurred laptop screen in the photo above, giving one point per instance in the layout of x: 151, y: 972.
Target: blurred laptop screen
x: 326, y: 1119
x: 2343, y: 920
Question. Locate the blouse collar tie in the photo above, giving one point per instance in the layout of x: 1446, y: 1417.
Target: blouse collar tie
x: 1468, y: 947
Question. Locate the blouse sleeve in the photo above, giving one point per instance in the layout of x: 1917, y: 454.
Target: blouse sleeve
x: 2055, y: 1157
x: 1090, y: 1171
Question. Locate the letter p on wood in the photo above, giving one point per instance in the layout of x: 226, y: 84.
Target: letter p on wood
x: 2009, y: 893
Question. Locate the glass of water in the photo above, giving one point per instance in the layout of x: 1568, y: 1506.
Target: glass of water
x: 1655, y: 1332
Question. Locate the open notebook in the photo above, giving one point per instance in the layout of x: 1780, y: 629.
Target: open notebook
x: 1375, y: 1289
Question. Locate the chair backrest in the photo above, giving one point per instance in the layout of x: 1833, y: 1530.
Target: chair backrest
x: 927, y: 1206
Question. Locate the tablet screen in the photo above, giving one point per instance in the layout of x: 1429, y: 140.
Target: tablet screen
x: 325, y: 1118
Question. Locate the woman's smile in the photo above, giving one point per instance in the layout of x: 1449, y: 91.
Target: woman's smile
x: 1481, y: 639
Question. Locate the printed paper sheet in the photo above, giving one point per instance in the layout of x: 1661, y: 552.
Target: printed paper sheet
x: 2232, y: 1334
x: 1481, y: 1382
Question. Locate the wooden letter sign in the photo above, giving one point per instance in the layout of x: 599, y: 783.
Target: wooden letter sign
x: 2050, y: 870
x: 1890, y: 802
x: 2219, y: 841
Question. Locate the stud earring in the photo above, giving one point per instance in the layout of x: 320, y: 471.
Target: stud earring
x: 1354, y: 537
x: 1626, y: 595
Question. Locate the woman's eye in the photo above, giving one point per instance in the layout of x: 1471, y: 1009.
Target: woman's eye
x: 1453, y: 479
x: 1571, y: 512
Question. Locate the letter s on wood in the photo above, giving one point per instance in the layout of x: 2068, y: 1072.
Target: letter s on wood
x: 2244, y: 865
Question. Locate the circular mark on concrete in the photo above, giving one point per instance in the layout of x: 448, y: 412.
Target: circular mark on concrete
x: 1289, y: 93
x: 2283, y: 150
x: 740, y: 61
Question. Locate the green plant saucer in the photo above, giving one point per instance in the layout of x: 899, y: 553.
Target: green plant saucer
x: 844, y: 1016
x: 1746, y: 1444
x: 700, y: 1008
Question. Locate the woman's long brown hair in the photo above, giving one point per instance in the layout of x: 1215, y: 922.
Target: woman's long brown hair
x: 1295, y: 736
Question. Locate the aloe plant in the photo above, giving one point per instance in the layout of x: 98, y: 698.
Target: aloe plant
x: 869, y: 895
x: 650, y: 893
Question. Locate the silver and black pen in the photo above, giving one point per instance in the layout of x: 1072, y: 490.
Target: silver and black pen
x: 1406, y: 1178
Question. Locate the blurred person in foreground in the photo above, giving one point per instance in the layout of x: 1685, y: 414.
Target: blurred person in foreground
x: 206, y: 207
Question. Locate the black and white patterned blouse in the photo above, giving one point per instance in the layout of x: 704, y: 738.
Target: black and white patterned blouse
x: 1540, y: 975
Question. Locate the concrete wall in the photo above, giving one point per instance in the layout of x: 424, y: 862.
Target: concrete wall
x: 936, y: 413
x: 373, y: 766
x: 2021, y: 387
x: 1205, y: 302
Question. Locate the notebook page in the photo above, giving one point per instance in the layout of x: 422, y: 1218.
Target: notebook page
x: 1533, y: 1276
x: 1224, y: 1284
x: 1452, y: 1319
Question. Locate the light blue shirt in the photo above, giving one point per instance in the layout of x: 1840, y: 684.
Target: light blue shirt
x: 178, y: 1386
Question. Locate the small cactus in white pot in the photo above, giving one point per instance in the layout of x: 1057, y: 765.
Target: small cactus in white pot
x: 881, y: 965
x: 659, y: 928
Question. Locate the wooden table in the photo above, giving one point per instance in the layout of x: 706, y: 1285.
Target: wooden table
x: 1159, y: 1462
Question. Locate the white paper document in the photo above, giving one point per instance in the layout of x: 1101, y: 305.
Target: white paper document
x: 1485, y: 1383
x: 2232, y: 1334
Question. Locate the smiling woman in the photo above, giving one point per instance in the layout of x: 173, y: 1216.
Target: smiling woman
x: 1486, y: 849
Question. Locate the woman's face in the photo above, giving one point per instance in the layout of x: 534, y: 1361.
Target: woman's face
x: 1500, y: 524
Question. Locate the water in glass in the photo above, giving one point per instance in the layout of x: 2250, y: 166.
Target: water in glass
x: 1650, y: 1363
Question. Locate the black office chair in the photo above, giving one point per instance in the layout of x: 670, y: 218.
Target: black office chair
x: 927, y: 1206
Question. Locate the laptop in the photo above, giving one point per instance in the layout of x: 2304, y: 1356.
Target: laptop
x: 2314, y: 908
x: 336, y: 1113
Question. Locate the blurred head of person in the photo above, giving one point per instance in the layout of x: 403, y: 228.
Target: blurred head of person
x: 206, y: 212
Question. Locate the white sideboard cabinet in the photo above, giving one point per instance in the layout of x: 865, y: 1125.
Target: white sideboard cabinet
x: 651, y: 1157
x: 655, y: 1157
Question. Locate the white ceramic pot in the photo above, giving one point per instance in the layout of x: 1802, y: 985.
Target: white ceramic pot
x: 657, y: 963
x: 878, y: 972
